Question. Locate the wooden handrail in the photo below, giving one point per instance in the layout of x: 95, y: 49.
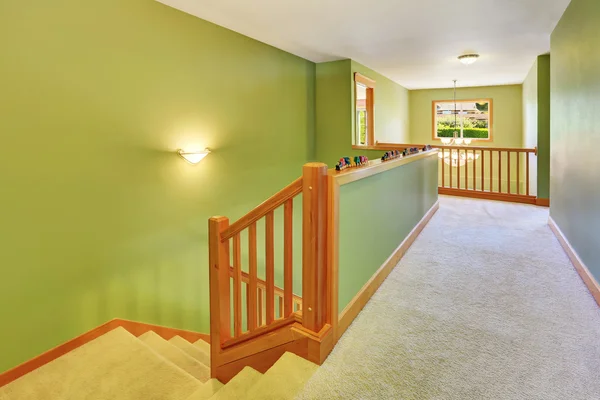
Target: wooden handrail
x: 263, y: 285
x: 273, y: 202
x: 394, y: 146
x: 512, y: 149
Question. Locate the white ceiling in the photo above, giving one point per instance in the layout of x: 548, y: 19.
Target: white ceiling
x: 413, y: 42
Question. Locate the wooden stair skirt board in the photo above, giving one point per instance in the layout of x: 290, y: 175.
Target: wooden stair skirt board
x: 478, y: 194
x: 582, y: 270
x: 263, y: 351
x: 366, y: 292
x: 135, y: 328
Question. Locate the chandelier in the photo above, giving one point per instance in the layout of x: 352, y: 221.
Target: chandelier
x: 454, y: 157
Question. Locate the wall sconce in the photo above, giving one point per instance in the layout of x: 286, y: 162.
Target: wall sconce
x: 193, y: 157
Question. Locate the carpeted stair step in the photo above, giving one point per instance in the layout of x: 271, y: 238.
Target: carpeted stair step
x: 239, y: 385
x: 191, y: 350
x: 207, y: 390
x: 203, y: 346
x: 284, y: 379
x: 176, y: 356
x: 114, y: 366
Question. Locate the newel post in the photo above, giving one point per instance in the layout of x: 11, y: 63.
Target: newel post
x: 218, y: 255
x: 314, y: 249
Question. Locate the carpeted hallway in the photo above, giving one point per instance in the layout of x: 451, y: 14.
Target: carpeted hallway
x: 485, y: 305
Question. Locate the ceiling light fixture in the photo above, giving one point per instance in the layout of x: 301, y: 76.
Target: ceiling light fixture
x: 193, y: 157
x: 468, y: 59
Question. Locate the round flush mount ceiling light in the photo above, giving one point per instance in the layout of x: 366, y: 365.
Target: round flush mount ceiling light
x: 468, y: 59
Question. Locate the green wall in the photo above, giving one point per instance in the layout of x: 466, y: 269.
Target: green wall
x: 507, y: 127
x: 507, y: 100
x: 575, y: 131
x: 100, y: 218
x: 335, y: 110
x: 543, y: 157
x: 530, y: 120
x: 391, y: 106
x: 376, y: 215
x: 333, y: 113
x: 536, y: 124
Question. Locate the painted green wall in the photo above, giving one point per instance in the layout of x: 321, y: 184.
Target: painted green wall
x: 376, y: 215
x: 100, y: 218
x: 543, y: 157
x: 575, y: 131
x: 391, y: 106
x: 530, y: 120
x: 507, y: 126
x: 335, y: 109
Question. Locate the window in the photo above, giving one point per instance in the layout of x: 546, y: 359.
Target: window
x: 364, y: 110
x: 472, y: 119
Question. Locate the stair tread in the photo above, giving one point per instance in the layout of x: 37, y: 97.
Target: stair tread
x: 178, y: 357
x: 239, y: 385
x: 114, y: 365
x: 193, y: 351
x: 208, y: 389
x: 202, y: 345
x: 284, y: 379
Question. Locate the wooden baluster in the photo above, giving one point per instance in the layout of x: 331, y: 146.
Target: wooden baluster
x: 458, y: 168
x: 314, y: 250
x: 281, y: 311
x: 270, y: 266
x: 518, y: 173
x: 237, y: 285
x: 252, y: 260
x: 508, y: 168
x: 491, y: 171
x: 499, y: 171
x: 482, y: 172
x: 527, y: 173
x: 288, y: 243
x: 220, y: 326
x: 261, y: 318
x: 443, y: 168
x: 474, y: 171
x: 450, y: 168
x: 466, y: 169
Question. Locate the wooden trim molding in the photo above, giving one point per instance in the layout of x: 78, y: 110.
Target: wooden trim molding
x: 376, y: 167
x: 360, y: 78
x: 476, y: 194
x: 135, y: 328
x: 362, y: 297
x: 542, y: 202
x: 580, y: 267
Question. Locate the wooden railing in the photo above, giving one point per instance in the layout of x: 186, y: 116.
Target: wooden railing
x: 495, y: 173
x: 486, y: 172
x: 268, y: 308
x: 262, y: 296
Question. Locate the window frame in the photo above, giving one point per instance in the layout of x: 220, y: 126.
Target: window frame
x: 370, y: 108
x: 490, y: 137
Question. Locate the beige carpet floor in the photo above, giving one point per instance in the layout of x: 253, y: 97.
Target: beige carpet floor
x: 485, y: 305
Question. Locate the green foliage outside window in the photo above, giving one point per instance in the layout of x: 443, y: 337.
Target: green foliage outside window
x: 362, y: 126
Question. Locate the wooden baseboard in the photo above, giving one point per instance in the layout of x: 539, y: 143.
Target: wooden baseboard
x: 542, y: 202
x: 582, y: 270
x: 362, y: 297
x: 139, y: 328
x: 135, y: 328
x: 477, y: 194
